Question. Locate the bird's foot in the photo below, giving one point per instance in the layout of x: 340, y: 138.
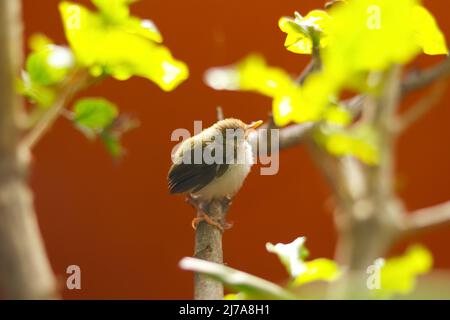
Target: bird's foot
x: 204, y: 217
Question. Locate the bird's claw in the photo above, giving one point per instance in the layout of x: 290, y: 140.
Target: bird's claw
x: 204, y: 217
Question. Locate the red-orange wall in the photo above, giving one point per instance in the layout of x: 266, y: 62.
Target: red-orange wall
x: 118, y: 222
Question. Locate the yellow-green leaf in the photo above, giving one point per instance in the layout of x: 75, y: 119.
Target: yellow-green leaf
x: 302, y: 31
x: 428, y: 35
x: 318, y: 270
x: 120, y: 47
x: 398, y: 274
x: 360, y: 141
x: 49, y: 65
x: 94, y: 113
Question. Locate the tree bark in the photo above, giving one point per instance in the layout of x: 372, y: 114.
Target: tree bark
x: 25, y: 272
x: 208, y: 246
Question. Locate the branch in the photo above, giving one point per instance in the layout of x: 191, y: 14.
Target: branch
x: 69, y: 88
x: 428, y: 218
x: 417, y: 111
x: 420, y: 79
x: 208, y: 246
x: 25, y: 271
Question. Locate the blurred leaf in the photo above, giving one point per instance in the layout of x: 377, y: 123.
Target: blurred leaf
x: 114, y: 43
x: 112, y: 144
x: 359, y: 141
x: 291, y: 255
x: 398, y: 275
x: 302, y: 30
x: 318, y: 269
x: 39, y: 41
x: 337, y: 115
x: 40, y: 95
x: 428, y: 35
x: 49, y: 65
x: 94, y: 113
x: 252, y: 287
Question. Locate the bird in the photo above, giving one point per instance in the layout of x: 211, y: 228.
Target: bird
x: 212, y: 165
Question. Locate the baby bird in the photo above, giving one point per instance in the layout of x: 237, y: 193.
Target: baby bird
x: 212, y: 165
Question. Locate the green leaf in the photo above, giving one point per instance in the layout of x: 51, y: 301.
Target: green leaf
x: 40, y: 95
x: 398, y: 275
x: 293, y: 256
x: 94, y: 113
x: 120, y: 45
x: 302, y: 31
x: 359, y: 141
x: 318, y: 270
x: 50, y: 65
x: 252, y: 287
x: 112, y: 144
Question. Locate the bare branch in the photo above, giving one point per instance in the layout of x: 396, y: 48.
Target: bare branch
x: 220, y: 115
x: 69, y: 88
x: 420, y: 79
x: 428, y: 218
x: 208, y: 246
x: 418, y: 110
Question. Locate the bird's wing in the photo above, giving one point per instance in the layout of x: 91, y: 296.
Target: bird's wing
x: 191, y: 177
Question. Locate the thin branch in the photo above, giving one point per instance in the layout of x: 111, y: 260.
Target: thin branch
x: 428, y: 218
x: 420, y: 79
x: 68, y: 89
x: 417, y: 111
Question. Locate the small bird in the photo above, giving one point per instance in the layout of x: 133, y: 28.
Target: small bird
x: 212, y: 165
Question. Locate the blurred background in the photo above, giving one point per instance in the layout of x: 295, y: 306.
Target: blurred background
x: 117, y: 221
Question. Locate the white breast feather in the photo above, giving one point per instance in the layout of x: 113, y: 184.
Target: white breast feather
x: 231, y: 181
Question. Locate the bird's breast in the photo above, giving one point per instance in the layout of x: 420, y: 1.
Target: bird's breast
x: 231, y: 181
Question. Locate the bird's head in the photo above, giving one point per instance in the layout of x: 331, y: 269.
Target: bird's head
x: 231, y: 125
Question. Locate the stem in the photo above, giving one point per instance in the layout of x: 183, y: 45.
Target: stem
x: 69, y: 88
x: 25, y: 271
x: 208, y: 246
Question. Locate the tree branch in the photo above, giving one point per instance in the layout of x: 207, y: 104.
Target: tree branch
x: 418, y: 110
x: 420, y: 79
x: 428, y: 218
x: 25, y: 272
x: 208, y: 246
x: 69, y: 88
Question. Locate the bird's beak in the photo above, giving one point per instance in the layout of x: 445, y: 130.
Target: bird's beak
x: 254, y: 125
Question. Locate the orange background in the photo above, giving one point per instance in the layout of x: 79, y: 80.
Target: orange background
x: 117, y: 220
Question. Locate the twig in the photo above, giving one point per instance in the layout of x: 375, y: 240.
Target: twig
x: 428, y: 218
x: 220, y: 115
x: 418, y: 110
x: 420, y: 79
x: 68, y: 89
x: 25, y: 271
